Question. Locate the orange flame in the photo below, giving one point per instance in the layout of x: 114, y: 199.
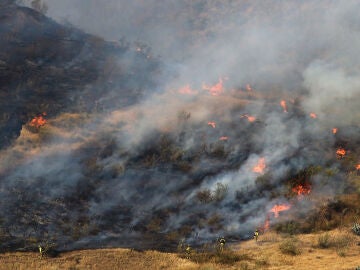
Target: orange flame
x: 216, y: 89
x: 313, y: 115
x: 186, y: 90
x: 340, y: 152
x: 213, y: 124
x: 260, y: 166
x: 223, y: 138
x: 279, y: 208
x: 38, y: 121
x: 334, y: 130
x: 283, y: 105
x: 301, y: 190
x: 357, y: 166
x: 249, y: 117
x: 266, y: 225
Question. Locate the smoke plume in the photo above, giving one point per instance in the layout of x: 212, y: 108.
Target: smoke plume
x: 185, y: 134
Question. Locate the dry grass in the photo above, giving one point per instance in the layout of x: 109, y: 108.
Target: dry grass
x: 290, y: 246
x: 342, y: 253
x: 95, y: 259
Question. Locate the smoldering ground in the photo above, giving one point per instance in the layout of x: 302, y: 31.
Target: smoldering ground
x: 155, y: 168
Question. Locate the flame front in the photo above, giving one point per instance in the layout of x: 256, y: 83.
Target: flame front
x: 279, y: 208
x: 283, y: 105
x: 340, y: 152
x: 334, y: 130
x: 249, y: 118
x: 186, y: 90
x: 313, y: 115
x: 260, y: 166
x: 216, y: 89
x: 223, y: 138
x: 213, y: 124
x: 266, y: 225
x: 301, y: 190
x: 357, y: 166
x: 38, y: 121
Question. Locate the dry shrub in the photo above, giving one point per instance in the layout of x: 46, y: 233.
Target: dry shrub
x: 342, y: 242
x: 262, y: 262
x: 227, y: 257
x: 290, y: 246
x: 204, y: 196
x: 270, y: 237
x: 245, y: 266
x: 324, y: 240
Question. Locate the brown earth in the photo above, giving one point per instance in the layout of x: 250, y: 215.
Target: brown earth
x: 342, y: 252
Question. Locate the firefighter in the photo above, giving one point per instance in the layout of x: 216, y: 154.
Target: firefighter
x: 188, y: 251
x: 256, y: 235
x: 222, y: 242
x: 41, y: 251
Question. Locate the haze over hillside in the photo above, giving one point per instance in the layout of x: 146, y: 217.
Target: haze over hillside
x: 197, y: 119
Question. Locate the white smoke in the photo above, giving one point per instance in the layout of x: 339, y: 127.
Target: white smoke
x: 288, y: 49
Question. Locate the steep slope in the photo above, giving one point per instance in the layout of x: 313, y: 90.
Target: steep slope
x: 48, y: 67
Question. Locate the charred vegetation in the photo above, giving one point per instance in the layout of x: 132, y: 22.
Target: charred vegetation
x: 97, y: 152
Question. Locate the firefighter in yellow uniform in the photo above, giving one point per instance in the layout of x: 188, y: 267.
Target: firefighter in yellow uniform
x: 41, y: 251
x: 256, y: 235
x: 188, y: 251
x: 222, y: 242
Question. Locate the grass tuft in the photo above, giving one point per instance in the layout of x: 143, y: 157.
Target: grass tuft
x: 227, y: 257
x: 324, y: 241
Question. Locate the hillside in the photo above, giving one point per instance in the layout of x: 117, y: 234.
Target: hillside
x: 342, y: 253
x: 52, y: 68
x: 251, y: 123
